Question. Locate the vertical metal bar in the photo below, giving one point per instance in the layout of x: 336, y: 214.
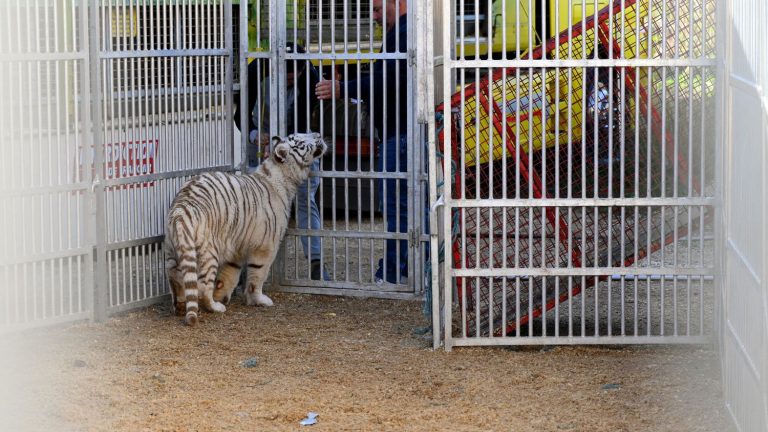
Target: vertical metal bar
x: 722, y: 118
x: 227, y: 87
x: 429, y: 114
x: 93, y: 111
x: 243, y: 68
x: 415, y: 166
x: 569, y: 112
x: 448, y: 55
x: 345, y: 26
x: 371, y: 162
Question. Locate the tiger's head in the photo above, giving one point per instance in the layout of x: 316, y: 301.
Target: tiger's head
x: 301, y: 149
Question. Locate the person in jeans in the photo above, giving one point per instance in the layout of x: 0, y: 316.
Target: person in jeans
x: 384, y: 86
x: 301, y: 77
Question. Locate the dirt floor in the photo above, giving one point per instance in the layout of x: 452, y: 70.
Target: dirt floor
x: 358, y: 363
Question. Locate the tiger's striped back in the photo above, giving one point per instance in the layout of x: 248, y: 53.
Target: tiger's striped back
x: 218, y: 221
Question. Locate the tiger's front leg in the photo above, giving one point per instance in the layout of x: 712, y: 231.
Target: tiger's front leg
x: 258, y: 265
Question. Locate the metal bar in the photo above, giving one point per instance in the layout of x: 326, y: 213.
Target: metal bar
x: 590, y: 62
x: 583, y: 340
x: 585, y: 271
x: 547, y: 203
x: 229, y: 74
x: 137, y: 304
x: 243, y: 74
x: 345, y: 289
x: 448, y: 56
x: 97, y: 228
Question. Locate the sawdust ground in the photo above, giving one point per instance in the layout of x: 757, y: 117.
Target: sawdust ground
x: 356, y: 362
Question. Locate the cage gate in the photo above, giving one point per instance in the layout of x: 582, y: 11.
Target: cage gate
x: 338, y: 248
x: 583, y: 169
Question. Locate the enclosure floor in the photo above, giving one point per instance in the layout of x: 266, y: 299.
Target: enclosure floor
x: 355, y: 362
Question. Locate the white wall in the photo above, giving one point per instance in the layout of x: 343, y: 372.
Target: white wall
x: 744, y: 312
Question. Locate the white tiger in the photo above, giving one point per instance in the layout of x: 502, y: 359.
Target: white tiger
x: 218, y: 222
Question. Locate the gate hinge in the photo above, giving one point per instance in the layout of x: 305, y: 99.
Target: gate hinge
x: 413, y: 239
x: 411, y: 57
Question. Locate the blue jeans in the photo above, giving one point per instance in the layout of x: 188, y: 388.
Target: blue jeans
x: 394, y: 203
x: 308, y: 214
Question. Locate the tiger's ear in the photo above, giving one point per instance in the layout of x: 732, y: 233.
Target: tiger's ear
x: 281, y: 152
x: 276, y: 140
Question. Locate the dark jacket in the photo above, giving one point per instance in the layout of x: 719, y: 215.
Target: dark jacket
x: 394, y: 91
x: 306, y: 99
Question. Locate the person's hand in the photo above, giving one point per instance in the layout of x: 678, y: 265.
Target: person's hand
x: 328, y: 89
x: 254, y: 135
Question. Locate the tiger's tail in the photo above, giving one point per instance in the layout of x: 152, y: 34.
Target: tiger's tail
x: 188, y: 268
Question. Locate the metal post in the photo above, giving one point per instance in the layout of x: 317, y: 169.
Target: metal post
x: 93, y: 76
x: 228, y: 84
x: 243, y: 65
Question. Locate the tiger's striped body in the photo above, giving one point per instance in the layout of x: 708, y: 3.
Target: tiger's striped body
x: 219, y: 222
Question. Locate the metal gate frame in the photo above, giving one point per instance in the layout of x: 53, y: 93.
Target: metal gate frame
x: 743, y: 132
x: 138, y: 98
x: 183, y: 71
x: 286, y: 275
x: 46, y: 267
x: 511, y: 277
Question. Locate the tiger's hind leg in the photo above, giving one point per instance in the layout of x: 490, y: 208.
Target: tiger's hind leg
x: 178, y: 299
x: 228, y: 278
x: 209, y: 267
x: 258, y: 266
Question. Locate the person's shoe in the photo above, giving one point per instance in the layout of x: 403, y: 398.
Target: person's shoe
x: 378, y: 278
x: 403, y: 281
x: 317, y: 269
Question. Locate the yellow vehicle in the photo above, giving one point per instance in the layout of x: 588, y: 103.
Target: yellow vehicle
x: 514, y: 26
x: 539, y: 107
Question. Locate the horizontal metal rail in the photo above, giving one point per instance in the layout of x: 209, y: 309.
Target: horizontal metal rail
x: 628, y: 272
x: 581, y: 340
x: 583, y: 63
x: 583, y: 202
x: 175, y: 53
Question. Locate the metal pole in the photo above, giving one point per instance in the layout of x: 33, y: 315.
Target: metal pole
x: 243, y: 65
x: 447, y: 90
x: 92, y: 75
x: 229, y: 84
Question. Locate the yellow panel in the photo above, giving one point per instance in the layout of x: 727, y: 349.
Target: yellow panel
x: 502, y: 9
x: 577, y: 8
x: 125, y: 23
x: 513, y: 23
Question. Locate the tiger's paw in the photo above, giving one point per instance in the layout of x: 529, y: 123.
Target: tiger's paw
x: 259, y: 300
x: 218, y: 307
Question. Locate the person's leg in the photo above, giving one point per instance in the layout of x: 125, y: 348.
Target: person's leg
x: 308, y: 215
x: 394, y: 158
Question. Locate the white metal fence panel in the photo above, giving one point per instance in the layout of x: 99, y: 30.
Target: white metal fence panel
x: 744, y: 331
x: 46, y: 256
x: 164, y: 115
x: 108, y: 108
x: 340, y: 40
x: 580, y: 160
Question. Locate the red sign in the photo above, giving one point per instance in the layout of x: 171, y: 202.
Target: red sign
x: 128, y: 159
